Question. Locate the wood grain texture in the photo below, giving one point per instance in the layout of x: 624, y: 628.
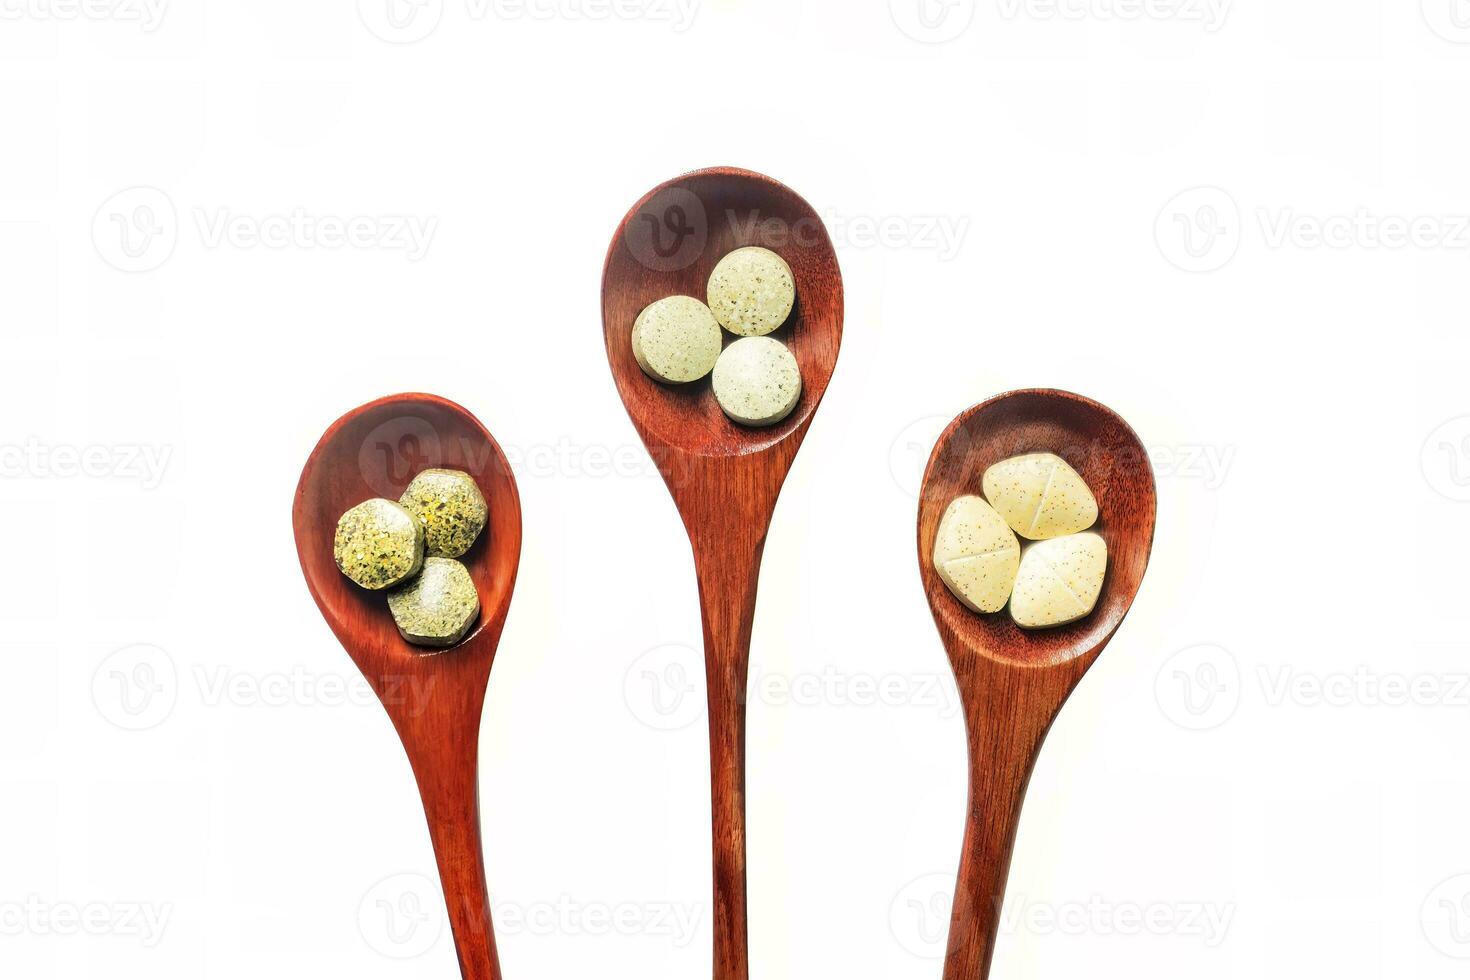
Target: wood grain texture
x: 724, y: 478
x: 434, y: 697
x: 1013, y: 681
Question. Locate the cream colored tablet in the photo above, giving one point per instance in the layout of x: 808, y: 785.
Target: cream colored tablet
x: 1040, y: 496
x: 676, y: 340
x: 976, y: 555
x: 756, y: 381
x: 1059, y: 580
x: 752, y: 291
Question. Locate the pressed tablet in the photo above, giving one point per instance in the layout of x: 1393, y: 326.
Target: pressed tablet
x: 751, y: 291
x: 1040, y: 496
x: 676, y: 340
x: 1059, y: 580
x: 378, y: 544
x: 756, y: 381
x: 451, y: 509
x: 976, y: 555
x: 438, y: 608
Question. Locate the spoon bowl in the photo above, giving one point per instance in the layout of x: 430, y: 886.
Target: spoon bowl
x: 1104, y: 451
x: 724, y: 478
x: 1013, y: 682
x: 434, y: 697
x: 667, y: 245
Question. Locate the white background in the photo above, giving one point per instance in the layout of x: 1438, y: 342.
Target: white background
x: 1194, y: 213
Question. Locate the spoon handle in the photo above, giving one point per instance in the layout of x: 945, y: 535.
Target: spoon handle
x: 728, y: 565
x: 1008, y: 711
x: 441, y: 736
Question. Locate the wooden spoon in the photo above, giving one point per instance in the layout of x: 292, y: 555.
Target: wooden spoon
x: 1013, y: 681
x: 433, y: 696
x: 724, y: 478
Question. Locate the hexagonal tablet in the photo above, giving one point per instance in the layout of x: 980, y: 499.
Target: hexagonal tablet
x: 751, y: 291
x: 1040, y: 496
x: 676, y: 340
x: 756, y: 381
x: 1059, y: 580
x: 451, y: 509
x: 378, y: 544
x: 438, y: 608
x: 976, y: 555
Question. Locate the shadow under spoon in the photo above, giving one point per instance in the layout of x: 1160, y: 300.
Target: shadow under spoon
x: 724, y: 478
x: 434, y: 697
x: 1013, y: 682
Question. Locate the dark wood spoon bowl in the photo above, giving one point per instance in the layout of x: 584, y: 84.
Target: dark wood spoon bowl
x: 1013, y: 682
x: 434, y: 697
x: 724, y: 478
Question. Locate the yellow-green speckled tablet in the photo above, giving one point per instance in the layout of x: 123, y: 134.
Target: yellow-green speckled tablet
x: 1059, y: 580
x: 676, y: 340
x: 449, y: 505
x: 378, y: 544
x: 438, y: 608
x: 1040, y: 496
x: 976, y: 554
x: 756, y: 381
x: 752, y: 291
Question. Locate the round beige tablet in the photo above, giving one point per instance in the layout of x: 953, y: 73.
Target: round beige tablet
x: 752, y: 291
x: 676, y: 340
x: 756, y: 381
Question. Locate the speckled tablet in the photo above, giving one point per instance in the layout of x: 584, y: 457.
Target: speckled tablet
x: 757, y: 381
x: 438, y: 608
x: 449, y: 505
x: 676, y: 340
x: 752, y: 291
x: 378, y: 544
x: 976, y: 554
x: 1059, y: 580
x: 1040, y: 496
